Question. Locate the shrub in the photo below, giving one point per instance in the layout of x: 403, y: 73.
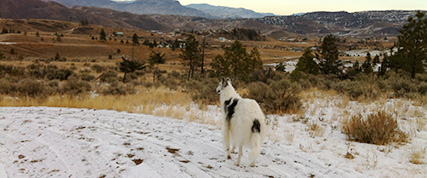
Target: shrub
x: 74, y: 87
x: 87, y: 77
x: 5, y: 87
x: 203, y: 90
x: 109, y: 77
x: 98, y: 68
x: 278, y: 97
x: 117, y: 88
x: 32, y: 88
x: 380, y: 129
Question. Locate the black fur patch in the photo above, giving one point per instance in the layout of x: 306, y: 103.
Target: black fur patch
x: 230, y: 108
x: 256, y: 127
x: 226, y: 103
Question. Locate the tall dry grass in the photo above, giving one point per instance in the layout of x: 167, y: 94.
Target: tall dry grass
x: 145, y: 101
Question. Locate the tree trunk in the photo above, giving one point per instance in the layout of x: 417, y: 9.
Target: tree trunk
x: 124, y: 77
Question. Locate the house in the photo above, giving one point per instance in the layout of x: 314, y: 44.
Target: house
x: 119, y: 34
x: 222, y: 39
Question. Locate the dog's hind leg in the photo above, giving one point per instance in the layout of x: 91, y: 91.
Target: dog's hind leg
x: 226, y: 134
x: 240, y: 155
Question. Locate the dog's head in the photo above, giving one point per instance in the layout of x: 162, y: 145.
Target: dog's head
x: 224, y: 83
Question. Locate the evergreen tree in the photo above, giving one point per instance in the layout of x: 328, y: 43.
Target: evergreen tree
x: 135, y: 40
x: 280, y: 67
x: 237, y: 62
x: 367, y: 66
x: 57, y: 57
x: 412, y: 45
x: 376, y: 60
x: 130, y: 66
x: 356, y: 67
x: 384, y: 65
x: 156, y: 58
x: 329, y: 63
x: 191, y: 55
x: 102, y: 35
x: 306, y: 63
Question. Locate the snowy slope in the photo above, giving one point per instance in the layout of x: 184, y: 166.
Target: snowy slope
x: 62, y: 142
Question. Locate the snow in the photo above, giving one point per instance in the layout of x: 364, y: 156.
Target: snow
x: 67, y: 142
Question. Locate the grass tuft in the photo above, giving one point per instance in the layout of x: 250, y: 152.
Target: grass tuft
x: 380, y: 129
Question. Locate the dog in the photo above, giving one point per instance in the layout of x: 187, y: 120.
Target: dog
x: 244, y: 123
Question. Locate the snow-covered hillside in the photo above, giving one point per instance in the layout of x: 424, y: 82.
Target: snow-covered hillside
x: 63, y: 142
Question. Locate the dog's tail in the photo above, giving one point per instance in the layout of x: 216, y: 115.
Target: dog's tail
x: 255, y: 141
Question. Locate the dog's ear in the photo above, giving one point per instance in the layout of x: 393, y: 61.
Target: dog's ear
x: 228, y: 79
x: 224, y: 82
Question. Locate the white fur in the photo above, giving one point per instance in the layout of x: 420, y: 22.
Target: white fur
x: 239, y: 131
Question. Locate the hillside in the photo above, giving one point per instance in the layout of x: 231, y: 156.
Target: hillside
x: 228, y: 12
x: 139, y: 6
x: 344, y: 23
x: 37, y: 9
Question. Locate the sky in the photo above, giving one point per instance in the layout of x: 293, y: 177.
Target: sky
x: 288, y: 7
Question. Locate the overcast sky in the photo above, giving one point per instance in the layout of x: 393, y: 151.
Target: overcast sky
x: 288, y: 7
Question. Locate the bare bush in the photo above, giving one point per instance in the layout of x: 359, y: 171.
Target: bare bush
x: 75, y: 87
x: 117, y: 88
x: 278, y: 97
x: 380, y: 129
x: 32, y: 88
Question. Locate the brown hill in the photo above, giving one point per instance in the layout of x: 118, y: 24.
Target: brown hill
x: 37, y: 9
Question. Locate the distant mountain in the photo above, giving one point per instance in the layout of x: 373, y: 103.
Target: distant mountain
x: 228, y: 12
x: 139, y: 6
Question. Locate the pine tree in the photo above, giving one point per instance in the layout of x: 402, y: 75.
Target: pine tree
x: 280, y: 67
x: 356, y: 67
x: 102, y: 35
x: 237, y: 62
x: 191, y: 55
x: 135, y: 39
x: 306, y: 63
x: 329, y: 64
x: 367, y: 66
x: 384, y: 65
x: 376, y: 60
x: 130, y: 66
x: 412, y: 45
x: 156, y: 58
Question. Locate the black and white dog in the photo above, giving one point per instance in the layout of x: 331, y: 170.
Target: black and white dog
x: 244, y: 123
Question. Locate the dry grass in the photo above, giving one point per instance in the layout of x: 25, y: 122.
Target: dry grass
x: 315, y: 130
x: 418, y: 156
x: 146, y: 101
x: 380, y: 129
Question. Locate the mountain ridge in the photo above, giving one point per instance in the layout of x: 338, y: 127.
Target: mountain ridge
x: 228, y: 12
x: 171, y: 7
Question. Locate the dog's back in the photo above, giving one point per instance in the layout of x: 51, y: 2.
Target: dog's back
x: 247, y: 119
